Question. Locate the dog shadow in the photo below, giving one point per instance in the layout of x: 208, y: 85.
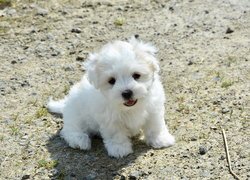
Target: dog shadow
x: 91, y: 164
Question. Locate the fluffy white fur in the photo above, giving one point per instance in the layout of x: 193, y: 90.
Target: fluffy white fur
x: 96, y: 105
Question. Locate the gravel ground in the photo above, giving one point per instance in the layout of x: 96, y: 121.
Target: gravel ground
x: 204, y: 52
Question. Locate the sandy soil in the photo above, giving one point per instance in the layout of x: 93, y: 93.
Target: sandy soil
x: 204, y: 52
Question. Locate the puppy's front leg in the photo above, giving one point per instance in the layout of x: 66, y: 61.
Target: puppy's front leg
x: 75, y: 137
x: 116, y: 142
x: 156, y: 132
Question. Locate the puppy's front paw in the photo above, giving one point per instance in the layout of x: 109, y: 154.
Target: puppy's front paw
x: 118, y: 150
x: 77, y: 140
x: 161, y: 140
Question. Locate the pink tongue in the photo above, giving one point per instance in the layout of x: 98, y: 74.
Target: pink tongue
x: 129, y: 102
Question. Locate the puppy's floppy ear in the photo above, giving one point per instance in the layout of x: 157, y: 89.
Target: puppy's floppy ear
x: 90, y: 67
x: 147, y: 48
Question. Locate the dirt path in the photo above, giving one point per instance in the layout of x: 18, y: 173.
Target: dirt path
x: 204, y: 51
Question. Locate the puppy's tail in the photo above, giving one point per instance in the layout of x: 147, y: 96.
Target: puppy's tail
x: 56, y: 106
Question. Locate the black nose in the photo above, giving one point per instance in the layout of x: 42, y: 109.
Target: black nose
x: 127, y: 94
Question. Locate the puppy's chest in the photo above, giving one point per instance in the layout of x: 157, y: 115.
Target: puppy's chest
x: 134, y: 122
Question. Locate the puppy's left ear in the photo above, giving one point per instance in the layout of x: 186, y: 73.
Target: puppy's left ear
x: 90, y: 67
x: 147, y: 48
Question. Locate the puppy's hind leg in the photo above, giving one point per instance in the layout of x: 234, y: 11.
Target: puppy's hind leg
x: 56, y: 106
x: 76, y: 138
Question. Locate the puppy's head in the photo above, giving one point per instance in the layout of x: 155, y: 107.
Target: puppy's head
x: 123, y: 72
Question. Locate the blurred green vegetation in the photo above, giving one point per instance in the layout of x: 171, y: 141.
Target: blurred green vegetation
x: 5, y: 3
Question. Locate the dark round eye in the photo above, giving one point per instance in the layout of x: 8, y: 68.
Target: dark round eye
x: 136, y: 76
x: 112, y: 81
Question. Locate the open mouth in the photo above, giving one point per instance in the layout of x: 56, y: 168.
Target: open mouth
x: 130, y: 102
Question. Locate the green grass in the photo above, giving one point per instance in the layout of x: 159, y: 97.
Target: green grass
x: 33, y: 102
x: 119, y: 21
x: 181, y: 98
x: 3, y: 30
x: 47, y: 164
x: 183, y: 108
x: 66, y: 89
x: 226, y: 83
x: 5, y: 3
x: 28, y: 120
x: 231, y: 60
x: 203, y: 136
x: 218, y: 74
x: 41, y: 112
x: 61, y: 175
x: 14, y: 130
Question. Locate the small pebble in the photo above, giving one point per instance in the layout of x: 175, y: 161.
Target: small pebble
x: 202, y: 150
x: 222, y: 157
x: 69, y: 68
x: 122, y: 177
x: 190, y: 63
x: 53, y: 172
x: 205, y: 174
x: 11, y: 12
x: 79, y: 58
x: 229, y: 31
x: 76, y: 30
x: 193, y: 139
x: 225, y: 110
x: 26, y: 176
x: 213, y: 128
x: 216, y: 102
x: 171, y: 8
x: 91, y: 176
x: 136, y: 36
x: 13, y: 62
x: 131, y: 177
x: 42, y: 12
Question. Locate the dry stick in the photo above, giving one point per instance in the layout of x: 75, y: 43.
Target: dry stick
x: 227, y: 154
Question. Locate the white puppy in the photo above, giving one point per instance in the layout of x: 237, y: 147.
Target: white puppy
x: 120, y: 95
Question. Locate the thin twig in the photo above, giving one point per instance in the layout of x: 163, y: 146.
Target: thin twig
x: 227, y: 154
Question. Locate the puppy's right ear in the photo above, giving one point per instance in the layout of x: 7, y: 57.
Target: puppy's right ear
x: 145, y: 47
x: 148, y: 49
x: 90, y: 67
